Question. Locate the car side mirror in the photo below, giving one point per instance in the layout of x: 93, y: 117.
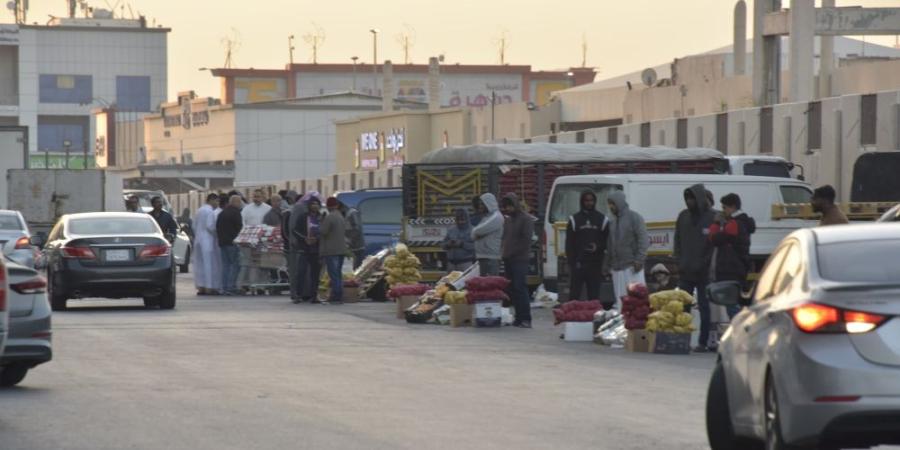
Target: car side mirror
x: 38, y: 240
x: 725, y: 293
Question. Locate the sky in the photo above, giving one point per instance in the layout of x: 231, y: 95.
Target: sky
x: 621, y: 36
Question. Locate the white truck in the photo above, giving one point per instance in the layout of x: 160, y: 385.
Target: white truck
x: 44, y: 195
x: 660, y: 197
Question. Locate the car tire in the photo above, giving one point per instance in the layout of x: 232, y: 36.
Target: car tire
x: 151, y: 302
x: 719, y: 428
x: 167, y: 300
x: 772, y: 418
x: 58, y: 300
x: 186, y: 267
x: 12, y: 375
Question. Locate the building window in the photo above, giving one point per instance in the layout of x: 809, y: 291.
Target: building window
x: 66, y: 89
x: 662, y: 137
x: 54, y: 133
x: 814, y: 126
x: 612, y: 135
x: 765, y: 130
x: 522, y: 130
x: 742, y: 136
x: 645, y: 134
x: 133, y: 93
x: 722, y: 132
x: 788, y: 136
x: 868, y: 116
x: 700, y: 142
x: 579, y: 137
x: 681, y: 127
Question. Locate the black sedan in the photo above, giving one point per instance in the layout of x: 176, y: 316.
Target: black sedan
x: 109, y: 255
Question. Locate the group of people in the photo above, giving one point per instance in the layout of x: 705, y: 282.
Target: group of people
x: 311, y: 237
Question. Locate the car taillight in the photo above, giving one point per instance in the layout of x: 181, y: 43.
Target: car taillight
x: 154, y: 251
x: 78, y: 252
x: 23, y: 243
x: 816, y: 318
x: 33, y: 286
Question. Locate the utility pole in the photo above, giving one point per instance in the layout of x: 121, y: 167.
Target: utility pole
x: 291, y: 49
x: 493, y: 121
x: 584, y: 48
x: 354, y: 58
x: 374, y: 32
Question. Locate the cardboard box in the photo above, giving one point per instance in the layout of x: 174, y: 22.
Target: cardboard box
x: 670, y: 343
x: 488, y: 314
x: 461, y: 315
x: 351, y: 295
x: 578, y: 331
x: 403, y: 303
x: 638, y: 341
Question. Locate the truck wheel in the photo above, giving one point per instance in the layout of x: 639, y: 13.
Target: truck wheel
x: 186, y: 267
x: 12, y: 375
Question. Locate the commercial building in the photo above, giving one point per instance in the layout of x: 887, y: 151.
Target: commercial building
x: 198, y: 142
x: 52, y: 76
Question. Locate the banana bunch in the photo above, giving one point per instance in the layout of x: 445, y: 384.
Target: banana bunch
x: 662, y: 298
x: 671, y: 319
x: 402, y: 267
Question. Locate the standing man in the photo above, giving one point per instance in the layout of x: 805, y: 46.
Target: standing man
x: 207, y: 256
x: 252, y: 214
x: 730, y: 237
x: 823, y: 203
x: 586, y: 236
x: 356, y: 240
x: 255, y: 212
x: 458, y: 243
x: 133, y: 204
x: 517, y: 232
x: 228, y: 226
x: 487, y: 236
x: 165, y: 220
x: 333, y: 247
x: 626, y: 250
x: 691, y: 251
x: 273, y: 216
x: 305, y: 234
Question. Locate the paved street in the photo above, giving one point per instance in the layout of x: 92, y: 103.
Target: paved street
x: 259, y: 372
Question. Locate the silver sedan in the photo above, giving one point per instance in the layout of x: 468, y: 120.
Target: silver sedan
x: 813, y: 361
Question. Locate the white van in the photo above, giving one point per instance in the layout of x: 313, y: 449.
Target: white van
x: 659, y: 198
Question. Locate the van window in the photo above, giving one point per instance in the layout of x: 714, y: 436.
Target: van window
x: 663, y: 201
x: 567, y: 199
x: 796, y: 194
x: 767, y: 169
x: 381, y: 211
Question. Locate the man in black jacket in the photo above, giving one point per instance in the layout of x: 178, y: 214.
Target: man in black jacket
x: 518, y: 230
x: 586, y: 235
x: 165, y: 220
x: 691, y: 251
x: 305, y: 245
x: 228, y: 226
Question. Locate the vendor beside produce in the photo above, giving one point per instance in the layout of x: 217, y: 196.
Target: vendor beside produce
x: 586, y: 235
x: 487, y: 235
x: 459, y: 244
x: 626, y: 250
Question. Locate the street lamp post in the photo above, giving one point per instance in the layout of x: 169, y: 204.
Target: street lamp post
x: 374, y: 32
x: 354, y: 58
x: 67, y: 144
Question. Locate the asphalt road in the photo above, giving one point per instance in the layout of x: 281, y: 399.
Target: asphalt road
x: 261, y: 373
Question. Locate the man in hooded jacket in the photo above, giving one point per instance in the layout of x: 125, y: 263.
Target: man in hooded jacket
x: 487, y: 236
x: 586, y: 235
x: 518, y: 230
x: 691, y: 247
x: 626, y: 250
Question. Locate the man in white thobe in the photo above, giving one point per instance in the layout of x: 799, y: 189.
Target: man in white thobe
x: 252, y: 214
x: 207, y: 264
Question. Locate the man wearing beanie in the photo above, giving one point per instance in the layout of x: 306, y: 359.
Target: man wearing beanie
x: 333, y: 247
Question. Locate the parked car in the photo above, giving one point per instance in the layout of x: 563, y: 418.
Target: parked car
x: 182, y: 245
x: 813, y: 361
x: 14, y: 238
x: 4, y: 309
x: 28, y: 342
x: 381, y: 211
x: 111, y: 255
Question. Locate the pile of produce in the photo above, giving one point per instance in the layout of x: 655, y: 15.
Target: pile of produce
x: 455, y: 298
x: 402, y: 290
x: 325, y: 281
x: 422, y: 311
x: 576, y: 311
x: 670, y: 315
x: 402, y: 267
x: 636, y: 307
x: 486, y: 289
x: 612, y: 331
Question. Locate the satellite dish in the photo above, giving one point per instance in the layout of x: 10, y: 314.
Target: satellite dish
x: 648, y: 76
x: 11, y: 6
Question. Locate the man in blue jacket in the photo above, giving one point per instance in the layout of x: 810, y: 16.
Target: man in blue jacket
x: 459, y: 244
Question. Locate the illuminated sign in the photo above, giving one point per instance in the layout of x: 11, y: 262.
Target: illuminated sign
x: 393, y: 140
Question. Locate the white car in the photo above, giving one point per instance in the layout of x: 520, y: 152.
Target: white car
x: 182, y: 245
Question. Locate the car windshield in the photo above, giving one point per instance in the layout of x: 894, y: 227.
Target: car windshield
x: 567, y: 199
x: 861, y: 261
x: 112, y: 226
x: 9, y: 222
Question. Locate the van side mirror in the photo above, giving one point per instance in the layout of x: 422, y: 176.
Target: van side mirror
x: 725, y: 293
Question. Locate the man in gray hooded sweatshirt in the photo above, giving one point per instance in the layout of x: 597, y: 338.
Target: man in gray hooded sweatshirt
x: 487, y: 235
x: 626, y: 251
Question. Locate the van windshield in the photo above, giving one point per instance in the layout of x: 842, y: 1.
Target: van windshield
x: 767, y: 169
x: 567, y: 199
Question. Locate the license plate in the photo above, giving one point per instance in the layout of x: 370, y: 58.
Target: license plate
x: 118, y: 255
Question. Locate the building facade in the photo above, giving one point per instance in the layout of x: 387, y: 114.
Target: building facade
x: 52, y: 76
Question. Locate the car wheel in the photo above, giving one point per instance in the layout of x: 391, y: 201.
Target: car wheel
x: 186, y: 267
x: 774, y: 438
x: 58, y: 300
x: 12, y: 375
x: 719, y: 429
x: 167, y: 300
